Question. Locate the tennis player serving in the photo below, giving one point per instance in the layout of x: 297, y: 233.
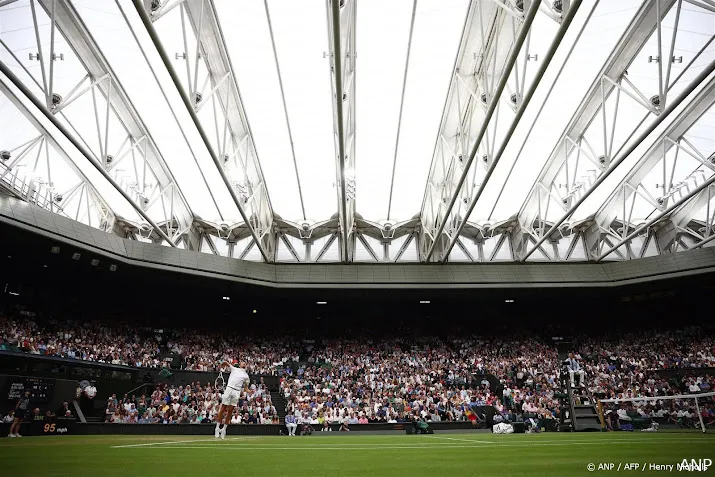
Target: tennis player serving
x: 237, y: 382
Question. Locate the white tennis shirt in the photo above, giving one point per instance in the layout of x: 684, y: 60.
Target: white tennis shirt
x: 237, y: 378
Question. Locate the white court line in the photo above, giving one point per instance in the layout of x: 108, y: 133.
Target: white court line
x: 316, y: 448
x: 207, y: 440
x: 500, y: 442
x: 383, y: 447
x: 495, y: 442
x: 462, y: 440
x: 147, y: 444
x: 504, y: 441
x: 215, y: 443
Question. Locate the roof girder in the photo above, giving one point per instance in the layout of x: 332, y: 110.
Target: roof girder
x: 341, y: 36
x: 630, y: 44
x: 545, y: 234
x: 204, y: 21
x: 464, y: 122
x: 82, y: 149
x: 619, y: 200
x: 177, y: 213
x: 569, y: 11
x: 50, y: 200
x: 610, y: 163
x: 249, y: 196
x: 252, y: 189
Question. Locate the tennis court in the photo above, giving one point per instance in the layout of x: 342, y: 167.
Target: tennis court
x: 348, y: 455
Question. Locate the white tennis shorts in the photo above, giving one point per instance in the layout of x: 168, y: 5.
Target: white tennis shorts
x: 230, y: 397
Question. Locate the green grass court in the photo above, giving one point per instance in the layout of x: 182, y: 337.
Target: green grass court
x: 455, y: 455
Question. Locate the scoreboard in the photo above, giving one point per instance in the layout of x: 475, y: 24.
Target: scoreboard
x: 41, y: 390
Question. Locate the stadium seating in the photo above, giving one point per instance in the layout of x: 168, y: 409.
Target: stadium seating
x: 391, y: 380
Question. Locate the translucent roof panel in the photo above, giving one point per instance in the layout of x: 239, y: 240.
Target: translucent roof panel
x: 301, y: 36
x: 382, y: 41
x: 382, y: 37
x: 276, y: 121
x: 438, y: 29
x: 301, y: 39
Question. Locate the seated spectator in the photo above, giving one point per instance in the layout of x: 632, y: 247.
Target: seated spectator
x: 64, y: 410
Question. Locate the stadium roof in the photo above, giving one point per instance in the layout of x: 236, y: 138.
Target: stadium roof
x: 338, y: 130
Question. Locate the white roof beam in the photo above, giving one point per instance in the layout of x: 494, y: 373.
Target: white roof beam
x: 50, y: 200
x: 660, y: 216
x: 104, y: 80
x: 646, y: 20
x: 203, y: 18
x: 487, y: 53
x: 341, y: 30
x: 642, y: 137
x: 82, y: 149
x: 256, y: 214
x: 474, y: 197
x: 669, y: 139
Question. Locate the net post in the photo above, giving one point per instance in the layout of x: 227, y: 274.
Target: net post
x: 700, y: 416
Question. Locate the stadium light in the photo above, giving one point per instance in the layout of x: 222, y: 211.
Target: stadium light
x: 508, y: 301
x: 321, y: 302
x: 226, y: 298
x: 94, y: 262
x: 425, y: 302
x: 55, y: 249
x: 76, y: 256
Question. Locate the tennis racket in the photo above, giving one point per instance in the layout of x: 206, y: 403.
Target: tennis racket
x: 220, y: 384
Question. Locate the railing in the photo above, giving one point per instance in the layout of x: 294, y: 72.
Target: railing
x: 34, y: 191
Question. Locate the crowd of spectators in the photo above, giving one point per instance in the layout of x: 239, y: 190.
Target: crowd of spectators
x: 203, y: 351
x: 389, y: 380
x: 88, y: 341
x: 679, y: 412
x: 641, y: 365
x: 143, y: 347
x: 428, y: 379
x: 190, y: 404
